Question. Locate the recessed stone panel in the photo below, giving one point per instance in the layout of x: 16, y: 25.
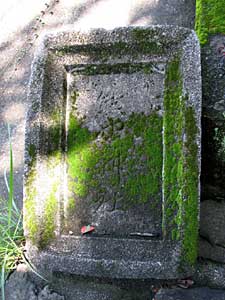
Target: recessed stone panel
x: 113, y: 141
x: 115, y: 149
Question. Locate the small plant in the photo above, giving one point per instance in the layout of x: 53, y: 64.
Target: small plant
x: 11, y: 243
x: 11, y: 230
x: 12, y: 240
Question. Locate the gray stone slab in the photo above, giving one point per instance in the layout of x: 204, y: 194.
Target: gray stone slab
x: 203, y: 293
x: 19, y: 286
x: 113, y: 140
x: 211, y: 274
x: 94, y: 289
x: 212, y: 222
x: 211, y: 251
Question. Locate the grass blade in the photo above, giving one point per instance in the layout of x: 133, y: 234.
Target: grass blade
x: 3, y: 278
x: 7, y: 186
x: 11, y: 231
x: 11, y: 187
x: 32, y: 268
x: 17, y: 229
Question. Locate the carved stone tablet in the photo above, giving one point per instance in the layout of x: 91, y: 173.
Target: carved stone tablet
x: 113, y: 141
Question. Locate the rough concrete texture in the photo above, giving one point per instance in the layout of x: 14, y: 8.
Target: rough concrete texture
x: 203, y: 293
x: 48, y: 143
x: 20, y: 287
x: 210, y: 274
x: 81, y: 288
x: 211, y: 251
x: 212, y: 243
x: 212, y: 222
x: 21, y: 24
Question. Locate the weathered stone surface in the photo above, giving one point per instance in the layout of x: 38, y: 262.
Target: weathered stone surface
x: 46, y: 294
x: 203, y: 293
x: 113, y: 140
x: 212, y: 222
x: 210, y: 274
x: 19, y: 286
x: 212, y: 252
x: 86, y: 288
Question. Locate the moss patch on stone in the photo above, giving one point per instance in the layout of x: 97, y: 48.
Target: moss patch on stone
x: 190, y: 245
x: 173, y: 143
x: 209, y: 18
x: 180, y: 166
x: 41, y: 226
x: 32, y: 151
x: 141, y: 41
x: 49, y: 216
x: 130, y: 164
x: 30, y: 218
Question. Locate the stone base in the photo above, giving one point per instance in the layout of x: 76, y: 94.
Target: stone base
x: 86, y: 288
x: 20, y: 286
x: 190, y: 294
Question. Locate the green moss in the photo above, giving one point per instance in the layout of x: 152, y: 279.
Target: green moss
x: 149, y: 184
x: 52, y: 133
x: 141, y: 41
x: 40, y: 229
x: 131, y: 170
x: 49, y: 217
x: 190, y: 188
x: 173, y: 160
x: 30, y: 218
x: 32, y: 151
x: 80, y: 156
x: 209, y: 18
x: 180, y: 166
x: 116, y: 49
x: 70, y: 205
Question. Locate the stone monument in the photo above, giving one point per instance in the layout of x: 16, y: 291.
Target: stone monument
x: 113, y: 141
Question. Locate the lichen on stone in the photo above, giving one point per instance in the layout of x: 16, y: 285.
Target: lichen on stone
x: 99, y: 160
x: 49, y: 217
x: 173, y: 143
x: 30, y: 218
x: 40, y: 227
x: 143, y: 41
x: 191, y: 194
